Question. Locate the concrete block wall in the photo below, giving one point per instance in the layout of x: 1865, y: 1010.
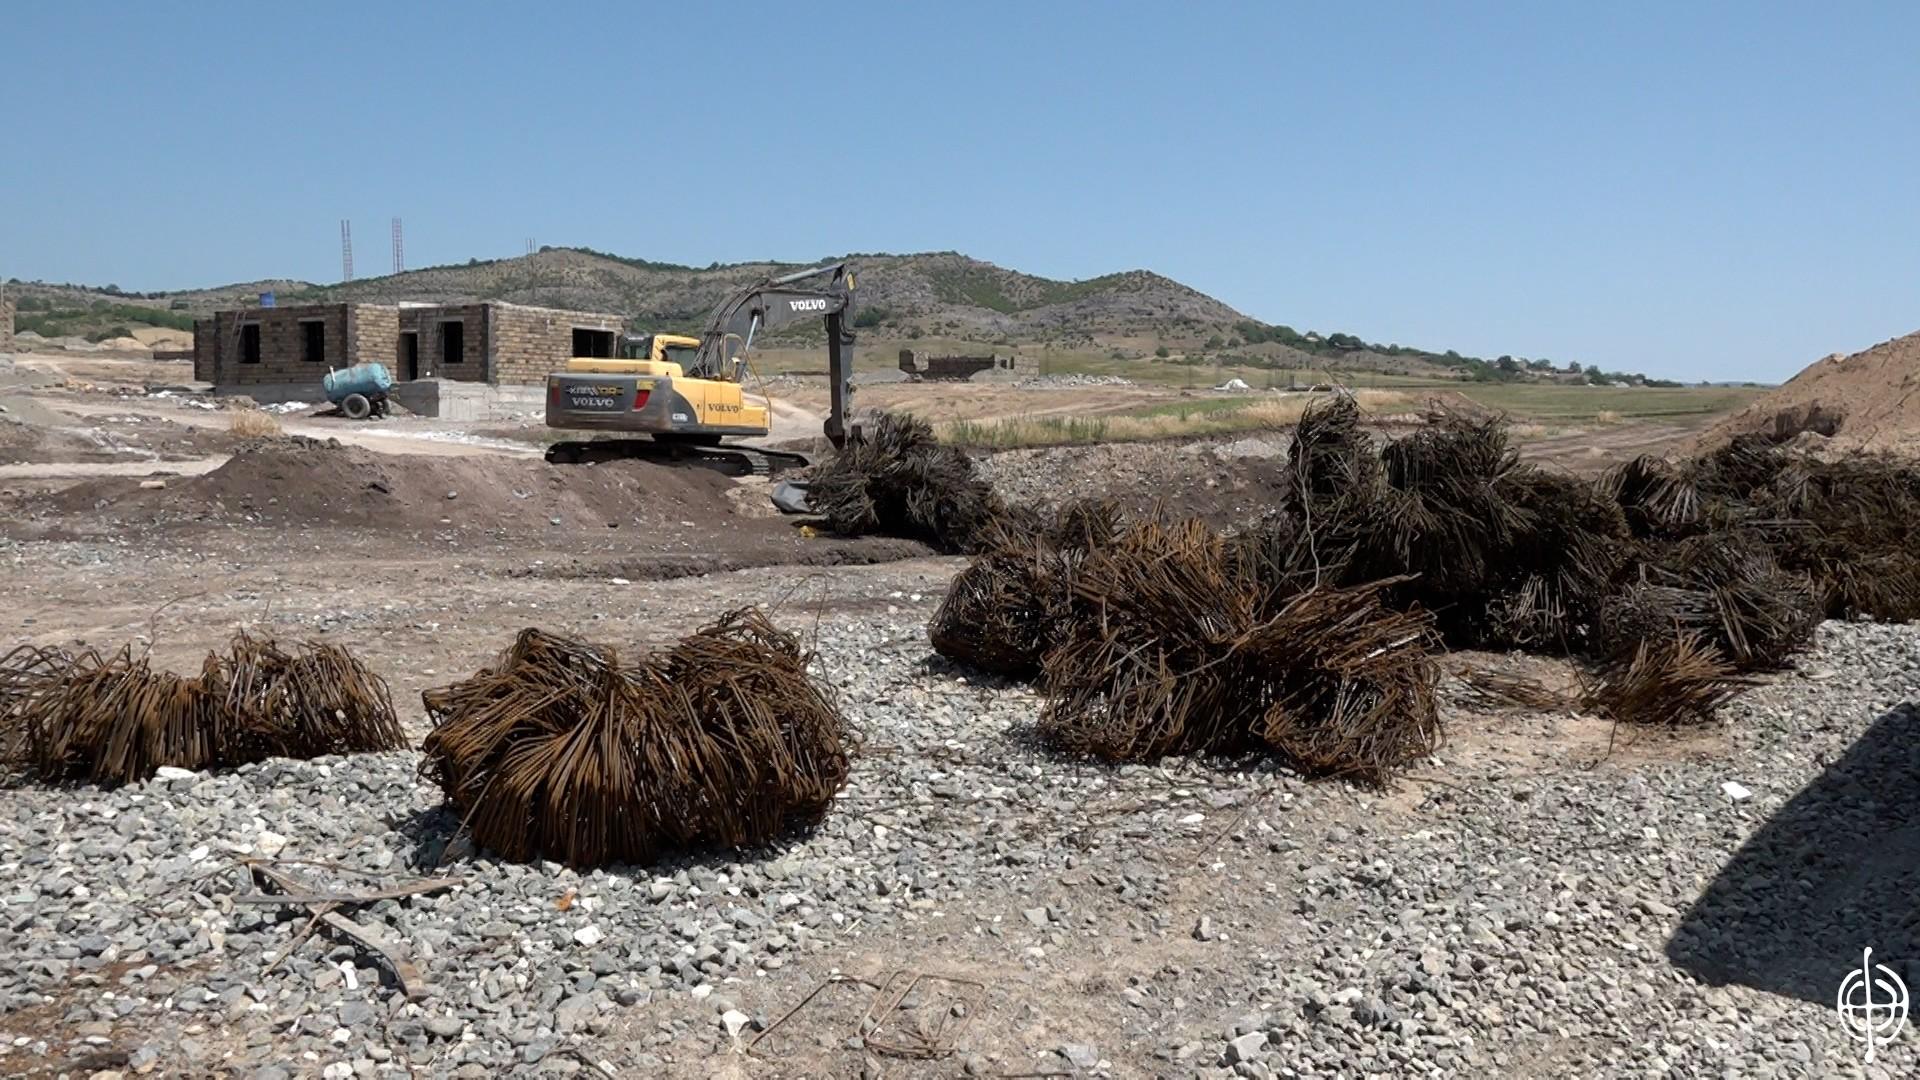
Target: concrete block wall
x: 282, y: 344
x: 429, y: 323
x: 6, y: 323
x: 206, y: 349
x: 373, y: 336
x: 529, y: 343
x: 351, y: 334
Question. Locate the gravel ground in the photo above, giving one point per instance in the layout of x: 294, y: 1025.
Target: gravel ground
x: 1511, y: 910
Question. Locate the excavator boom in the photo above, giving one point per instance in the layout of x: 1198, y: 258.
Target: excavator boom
x: 823, y: 292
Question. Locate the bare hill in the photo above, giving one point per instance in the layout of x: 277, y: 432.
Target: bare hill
x: 1870, y: 401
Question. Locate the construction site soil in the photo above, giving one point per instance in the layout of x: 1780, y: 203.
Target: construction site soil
x: 1867, y: 401
x: 632, y: 506
x: 1531, y: 902
x: 629, y: 519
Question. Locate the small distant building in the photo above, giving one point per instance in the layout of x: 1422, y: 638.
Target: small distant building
x: 921, y: 366
x: 282, y: 352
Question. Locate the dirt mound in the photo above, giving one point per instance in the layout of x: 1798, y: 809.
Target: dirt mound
x: 306, y: 482
x: 1870, y: 401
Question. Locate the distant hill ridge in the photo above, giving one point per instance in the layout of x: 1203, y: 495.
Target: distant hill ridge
x: 943, y: 290
x: 940, y: 294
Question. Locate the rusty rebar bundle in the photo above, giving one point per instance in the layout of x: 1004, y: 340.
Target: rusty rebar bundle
x: 1009, y: 606
x: 560, y: 751
x: 895, y: 478
x: 111, y: 718
x: 1732, y: 557
x: 1172, y: 646
x: 1724, y: 587
x: 1501, y: 553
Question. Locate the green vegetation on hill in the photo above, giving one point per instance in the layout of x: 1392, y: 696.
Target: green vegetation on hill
x: 981, y: 285
x: 95, y: 321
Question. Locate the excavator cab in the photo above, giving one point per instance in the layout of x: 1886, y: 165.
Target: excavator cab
x: 666, y: 348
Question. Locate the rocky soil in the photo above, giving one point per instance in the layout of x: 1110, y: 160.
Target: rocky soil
x: 1530, y: 904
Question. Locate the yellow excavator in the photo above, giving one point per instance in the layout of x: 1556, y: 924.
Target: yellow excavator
x: 685, y: 393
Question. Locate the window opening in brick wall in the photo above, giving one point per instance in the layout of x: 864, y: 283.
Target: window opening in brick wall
x: 250, y: 343
x: 453, y: 343
x: 313, y: 337
x: 593, y: 343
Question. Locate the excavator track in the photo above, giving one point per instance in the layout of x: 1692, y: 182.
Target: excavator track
x: 727, y: 458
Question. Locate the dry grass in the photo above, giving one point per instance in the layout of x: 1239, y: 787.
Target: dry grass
x: 1187, y: 419
x: 255, y: 424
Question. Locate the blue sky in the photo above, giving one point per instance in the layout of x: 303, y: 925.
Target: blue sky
x: 1698, y: 190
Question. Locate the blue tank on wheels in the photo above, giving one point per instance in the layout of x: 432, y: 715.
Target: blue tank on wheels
x: 360, y: 391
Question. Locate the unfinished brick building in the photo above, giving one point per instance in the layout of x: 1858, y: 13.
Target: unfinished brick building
x: 493, y: 343
x: 499, y: 344
x: 291, y: 345
x: 6, y: 322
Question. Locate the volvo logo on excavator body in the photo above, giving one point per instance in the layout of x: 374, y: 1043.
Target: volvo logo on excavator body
x: 808, y: 305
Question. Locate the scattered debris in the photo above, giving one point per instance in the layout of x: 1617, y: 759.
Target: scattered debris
x: 919, y: 1018
x: 912, y: 1014
x: 325, y: 908
x: 254, y: 424
x: 1664, y: 682
x: 1498, y: 689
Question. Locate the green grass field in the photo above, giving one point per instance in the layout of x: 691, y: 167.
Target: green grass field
x: 1536, y: 411
x: 1546, y: 402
